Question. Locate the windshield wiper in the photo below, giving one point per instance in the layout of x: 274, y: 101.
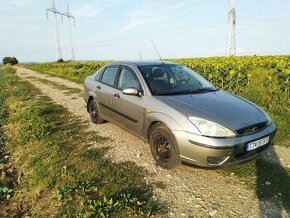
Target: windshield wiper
x: 192, y: 91
x: 205, y: 89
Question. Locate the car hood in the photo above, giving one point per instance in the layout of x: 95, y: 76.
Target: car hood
x: 220, y: 107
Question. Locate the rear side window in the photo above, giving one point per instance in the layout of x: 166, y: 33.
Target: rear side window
x: 109, y: 75
x: 99, y: 74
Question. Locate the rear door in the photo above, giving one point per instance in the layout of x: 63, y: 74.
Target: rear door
x: 128, y: 109
x: 105, y: 90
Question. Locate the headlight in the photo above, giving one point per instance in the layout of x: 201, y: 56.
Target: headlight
x: 208, y: 128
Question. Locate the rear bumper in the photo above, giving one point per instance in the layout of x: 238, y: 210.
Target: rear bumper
x: 215, y: 152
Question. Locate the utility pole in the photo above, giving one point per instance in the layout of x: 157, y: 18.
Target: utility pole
x: 55, y: 12
x: 231, y: 42
x: 140, y: 54
x: 69, y: 17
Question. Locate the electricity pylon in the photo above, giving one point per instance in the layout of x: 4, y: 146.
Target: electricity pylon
x: 231, y: 42
x: 69, y: 17
x: 55, y: 12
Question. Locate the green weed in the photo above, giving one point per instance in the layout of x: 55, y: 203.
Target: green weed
x: 93, y: 154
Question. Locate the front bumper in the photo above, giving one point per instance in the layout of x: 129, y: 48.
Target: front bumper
x: 214, y: 152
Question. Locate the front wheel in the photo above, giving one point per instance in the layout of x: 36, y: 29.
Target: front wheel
x: 94, y: 112
x: 164, y: 148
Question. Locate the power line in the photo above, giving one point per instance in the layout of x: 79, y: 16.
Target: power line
x: 231, y: 43
x: 150, y: 36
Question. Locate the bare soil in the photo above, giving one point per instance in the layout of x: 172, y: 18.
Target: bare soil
x: 189, y: 191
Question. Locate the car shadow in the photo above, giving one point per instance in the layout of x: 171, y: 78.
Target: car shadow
x: 272, y: 186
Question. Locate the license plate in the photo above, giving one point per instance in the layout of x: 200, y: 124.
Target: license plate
x: 258, y: 143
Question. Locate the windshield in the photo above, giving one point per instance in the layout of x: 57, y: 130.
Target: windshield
x: 170, y: 79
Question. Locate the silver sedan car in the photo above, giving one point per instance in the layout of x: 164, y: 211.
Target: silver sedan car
x: 181, y: 115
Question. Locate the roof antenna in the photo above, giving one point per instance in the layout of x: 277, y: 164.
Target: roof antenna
x: 157, y: 51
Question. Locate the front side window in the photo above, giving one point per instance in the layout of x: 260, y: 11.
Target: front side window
x: 109, y: 75
x: 170, y: 79
x: 127, y: 79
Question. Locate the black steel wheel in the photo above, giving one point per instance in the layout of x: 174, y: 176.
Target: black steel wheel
x: 164, y: 148
x: 94, y: 112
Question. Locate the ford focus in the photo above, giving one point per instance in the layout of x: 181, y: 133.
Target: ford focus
x: 182, y: 115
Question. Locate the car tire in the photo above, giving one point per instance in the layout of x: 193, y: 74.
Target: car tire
x: 164, y: 148
x: 94, y: 112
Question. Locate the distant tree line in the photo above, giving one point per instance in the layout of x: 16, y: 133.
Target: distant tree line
x: 10, y: 60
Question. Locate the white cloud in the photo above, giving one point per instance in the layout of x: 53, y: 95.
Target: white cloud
x: 19, y: 3
x: 175, y: 6
x: 91, y: 9
x: 133, y: 24
x: 87, y: 11
x: 138, y: 22
x: 147, y: 13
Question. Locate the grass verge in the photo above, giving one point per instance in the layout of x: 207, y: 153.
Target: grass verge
x: 74, y: 71
x: 59, y: 173
x: 6, y: 179
x: 67, y: 90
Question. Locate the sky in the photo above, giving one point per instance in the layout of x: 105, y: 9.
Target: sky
x: 123, y: 29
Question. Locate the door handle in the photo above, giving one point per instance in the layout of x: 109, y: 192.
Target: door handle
x: 98, y: 87
x: 116, y: 95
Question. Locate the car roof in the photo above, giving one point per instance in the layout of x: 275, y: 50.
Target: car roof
x: 141, y: 63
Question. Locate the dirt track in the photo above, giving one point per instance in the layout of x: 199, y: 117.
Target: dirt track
x: 190, y: 192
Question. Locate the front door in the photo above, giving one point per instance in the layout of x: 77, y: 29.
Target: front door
x: 128, y: 109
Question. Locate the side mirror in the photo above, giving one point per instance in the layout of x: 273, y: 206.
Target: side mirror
x: 131, y: 91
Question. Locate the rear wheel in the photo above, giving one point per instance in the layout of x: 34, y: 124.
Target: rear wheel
x: 94, y: 112
x: 164, y: 148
